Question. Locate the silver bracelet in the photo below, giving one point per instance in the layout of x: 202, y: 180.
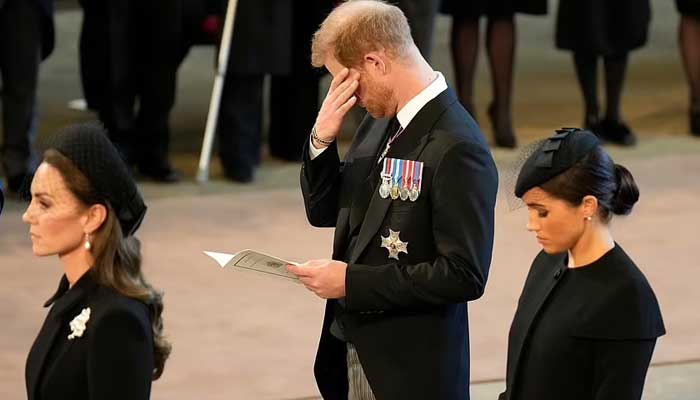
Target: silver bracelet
x: 324, y: 142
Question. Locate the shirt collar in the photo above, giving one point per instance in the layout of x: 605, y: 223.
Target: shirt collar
x: 407, y: 112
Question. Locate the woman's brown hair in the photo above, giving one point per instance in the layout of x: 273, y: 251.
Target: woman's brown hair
x: 117, y: 258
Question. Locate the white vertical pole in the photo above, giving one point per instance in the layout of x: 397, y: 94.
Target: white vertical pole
x: 213, y: 116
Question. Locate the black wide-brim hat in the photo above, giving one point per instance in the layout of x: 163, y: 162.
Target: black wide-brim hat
x: 89, y: 148
x: 554, y: 156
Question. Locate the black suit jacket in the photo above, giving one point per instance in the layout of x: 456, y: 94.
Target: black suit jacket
x: 113, y: 359
x: 407, y: 319
x: 600, y: 344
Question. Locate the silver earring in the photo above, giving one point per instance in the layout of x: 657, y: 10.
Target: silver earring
x: 88, y: 245
x: 589, y: 218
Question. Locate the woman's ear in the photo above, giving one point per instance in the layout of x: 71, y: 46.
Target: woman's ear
x: 589, y: 206
x: 96, y: 215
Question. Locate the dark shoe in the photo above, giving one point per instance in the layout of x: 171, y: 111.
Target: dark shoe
x: 591, y: 122
x: 694, y: 115
x: 239, y: 175
x: 503, y: 130
x: 161, y: 173
x: 616, y: 132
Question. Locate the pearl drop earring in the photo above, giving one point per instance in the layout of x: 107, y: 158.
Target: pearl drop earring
x: 88, y: 245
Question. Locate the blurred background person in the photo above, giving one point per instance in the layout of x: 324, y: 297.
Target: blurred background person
x: 587, y: 320
x: 270, y: 37
x: 500, y: 46
x: 103, y: 336
x: 689, y: 40
x: 26, y: 38
x: 130, y: 53
x: 261, y: 44
x: 595, y: 29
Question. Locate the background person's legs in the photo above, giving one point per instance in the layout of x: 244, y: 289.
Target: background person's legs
x: 500, y: 43
x: 240, y: 125
x: 20, y: 55
x: 689, y: 40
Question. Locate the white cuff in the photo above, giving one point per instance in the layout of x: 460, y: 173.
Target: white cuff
x: 313, y: 151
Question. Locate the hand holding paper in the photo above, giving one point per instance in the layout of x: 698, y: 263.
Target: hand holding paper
x: 254, y: 261
x: 326, y: 278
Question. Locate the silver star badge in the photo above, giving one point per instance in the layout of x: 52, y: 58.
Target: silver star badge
x: 394, y: 244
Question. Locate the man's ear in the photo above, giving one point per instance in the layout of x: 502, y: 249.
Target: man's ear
x: 377, y: 62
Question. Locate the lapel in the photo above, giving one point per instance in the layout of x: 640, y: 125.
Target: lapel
x: 63, y: 301
x: 408, y: 146
x: 363, y: 177
x: 533, y: 300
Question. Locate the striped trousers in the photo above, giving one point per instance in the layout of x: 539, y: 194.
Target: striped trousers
x: 357, y: 381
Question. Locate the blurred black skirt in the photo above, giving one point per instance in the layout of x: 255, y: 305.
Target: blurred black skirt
x: 492, y: 8
x: 689, y: 7
x: 602, y: 27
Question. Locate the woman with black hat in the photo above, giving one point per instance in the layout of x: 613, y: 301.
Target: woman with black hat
x: 103, y: 336
x: 689, y: 40
x: 587, y: 320
x: 609, y: 30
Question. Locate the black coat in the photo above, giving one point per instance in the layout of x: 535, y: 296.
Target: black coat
x: 48, y: 30
x: 262, y: 36
x: 584, y: 333
x: 407, y: 319
x: 113, y: 359
x: 602, y: 27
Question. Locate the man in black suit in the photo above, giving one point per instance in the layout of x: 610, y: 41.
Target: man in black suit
x: 130, y: 53
x: 260, y: 44
x: 26, y: 38
x: 270, y: 37
x: 410, y: 248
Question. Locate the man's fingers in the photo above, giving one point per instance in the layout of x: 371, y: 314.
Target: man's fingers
x: 345, y: 107
x: 300, y: 270
x: 309, y: 283
x: 344, y: 93
x: 338, y: 79
x: 341, y: 93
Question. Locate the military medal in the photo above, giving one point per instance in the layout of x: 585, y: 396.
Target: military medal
x: 416, y: 181
x: 394, y: 244
x: 405, y: 179
x: 385, y: 186
x: 396, y: 176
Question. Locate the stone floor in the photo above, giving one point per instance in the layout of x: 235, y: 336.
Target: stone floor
x: 237, y: 335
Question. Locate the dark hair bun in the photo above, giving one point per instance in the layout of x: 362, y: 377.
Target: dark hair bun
x: 627, y: 192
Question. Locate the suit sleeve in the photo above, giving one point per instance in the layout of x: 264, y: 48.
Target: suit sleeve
x: 120, y: 363
x: 320, y: 186
x: 620, y: 368
x: 463, y: 196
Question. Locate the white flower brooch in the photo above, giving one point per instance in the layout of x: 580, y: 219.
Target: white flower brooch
x: 77, y: 325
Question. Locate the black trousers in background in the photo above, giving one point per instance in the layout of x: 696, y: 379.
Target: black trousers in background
x: 240, y: 124
x: 421, y: 16
x: 137, y: 44
x: 20, y: 55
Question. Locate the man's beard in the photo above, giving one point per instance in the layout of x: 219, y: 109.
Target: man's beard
x: 378, y: 102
